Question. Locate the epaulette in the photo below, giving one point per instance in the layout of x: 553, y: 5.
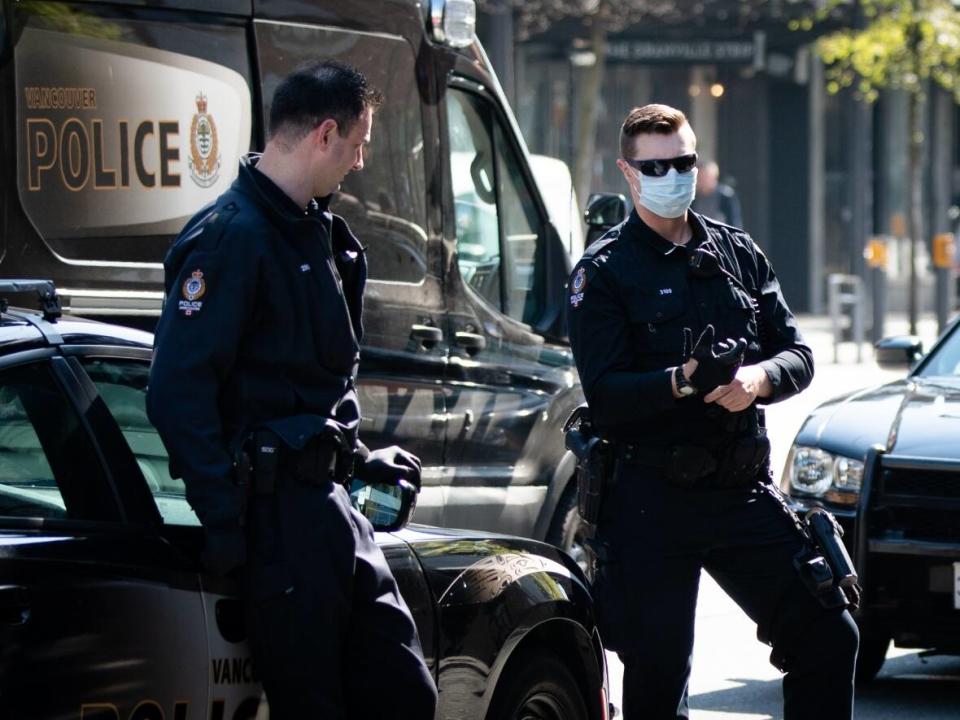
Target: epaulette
x: 207, y: 226
x: 713, y: 222
x: 598, y: 247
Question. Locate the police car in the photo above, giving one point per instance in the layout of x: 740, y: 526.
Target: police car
x: 105, y: 613
x: 886, y: 461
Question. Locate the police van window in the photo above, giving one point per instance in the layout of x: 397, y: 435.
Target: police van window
x: 497, y: 226
x: 122, y: 385
x: 474, y: 195
x: 128, y: 122
x: 385, y: 202
x: 48, y: 467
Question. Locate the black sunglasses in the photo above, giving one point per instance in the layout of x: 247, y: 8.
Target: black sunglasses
x: 659, y: 168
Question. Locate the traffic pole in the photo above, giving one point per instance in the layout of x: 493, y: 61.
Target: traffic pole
x: 943, y: 251
x: 875, y: 253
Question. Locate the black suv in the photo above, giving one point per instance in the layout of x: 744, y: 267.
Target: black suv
x: 122, y: 118
x: 106, y: 615
x: 886, y: 461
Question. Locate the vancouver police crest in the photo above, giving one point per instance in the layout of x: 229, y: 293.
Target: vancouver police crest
x: 193, y: 289
x: 204, y: 160
x: 577, y: 286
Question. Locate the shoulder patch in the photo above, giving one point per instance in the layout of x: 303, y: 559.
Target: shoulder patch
x: 578, y: 284
x: 194, y: 287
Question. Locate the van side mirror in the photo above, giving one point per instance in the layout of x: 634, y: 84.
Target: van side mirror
x: 604, y: 210
x: 388, y: 506
x: 899, y: 353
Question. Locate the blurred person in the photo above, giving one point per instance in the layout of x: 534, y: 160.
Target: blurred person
x: 715, y: 199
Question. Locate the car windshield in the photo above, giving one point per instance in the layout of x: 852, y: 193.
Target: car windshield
x: 945, y: 361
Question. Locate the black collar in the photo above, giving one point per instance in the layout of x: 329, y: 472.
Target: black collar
x: 275, y: 200
x: 638, y: 229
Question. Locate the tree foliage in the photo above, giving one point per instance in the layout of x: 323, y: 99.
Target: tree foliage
x: 902, y: 45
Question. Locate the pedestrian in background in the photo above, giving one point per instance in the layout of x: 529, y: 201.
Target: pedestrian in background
x: 715, y: 199
x: 256, y: 357
x: 679, y: 329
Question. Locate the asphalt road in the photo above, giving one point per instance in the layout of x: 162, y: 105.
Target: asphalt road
x: 732, y: 677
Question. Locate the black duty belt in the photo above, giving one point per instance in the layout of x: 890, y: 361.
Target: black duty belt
x: 738, y: 462
x: 682, y: 463
x: 273, y: 465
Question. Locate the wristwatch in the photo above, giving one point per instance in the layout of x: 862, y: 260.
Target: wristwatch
x: 684, y: 386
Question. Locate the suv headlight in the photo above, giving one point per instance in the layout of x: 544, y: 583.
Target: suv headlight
x: 813, y: 472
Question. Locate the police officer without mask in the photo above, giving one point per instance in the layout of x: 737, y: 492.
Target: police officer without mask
x: 679, y: 328
x: 256, y: 352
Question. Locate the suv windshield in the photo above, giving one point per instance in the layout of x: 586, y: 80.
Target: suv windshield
x: 945, y: 362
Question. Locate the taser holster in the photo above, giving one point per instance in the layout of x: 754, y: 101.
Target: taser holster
x: 828, y: 572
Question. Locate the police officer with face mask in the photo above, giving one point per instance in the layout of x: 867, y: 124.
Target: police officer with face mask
x: 679, y: 330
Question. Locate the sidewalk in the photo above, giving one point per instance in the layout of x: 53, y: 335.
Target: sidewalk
x: 818, y: 332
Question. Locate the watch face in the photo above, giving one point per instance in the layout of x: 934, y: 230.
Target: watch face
x: 686, y: 389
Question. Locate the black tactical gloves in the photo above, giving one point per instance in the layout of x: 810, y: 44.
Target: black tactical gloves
x: 717, y: 363
x: 389, y: 464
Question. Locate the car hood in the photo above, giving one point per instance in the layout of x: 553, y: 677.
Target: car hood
x: 484, y: 562
x: 917, y: 416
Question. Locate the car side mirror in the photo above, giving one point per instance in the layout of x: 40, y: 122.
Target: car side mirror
x: 388, y: 506
x: 899, y: 353
x: 604, y: 210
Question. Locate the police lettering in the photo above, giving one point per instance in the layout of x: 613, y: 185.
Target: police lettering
x: 233, y: 671
x: 76, y: 153
x: 150, y: 710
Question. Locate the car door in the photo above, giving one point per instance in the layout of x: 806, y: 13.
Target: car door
x: 99, y: 616
x: 121, y: 383
x: 404, y: 351
x: 504, y: 376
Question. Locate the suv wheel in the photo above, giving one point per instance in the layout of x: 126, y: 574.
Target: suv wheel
x: 566, y: 531
x: 538, y: 687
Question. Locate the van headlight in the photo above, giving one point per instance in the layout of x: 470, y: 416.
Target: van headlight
x: 813, y: 472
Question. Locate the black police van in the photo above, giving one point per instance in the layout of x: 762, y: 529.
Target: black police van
x: 105, y: 613
x: 122, y: 118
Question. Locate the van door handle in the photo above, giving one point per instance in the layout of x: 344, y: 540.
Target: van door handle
x: 14, y: 605
x: 471, y: 342
x: 426, y: 335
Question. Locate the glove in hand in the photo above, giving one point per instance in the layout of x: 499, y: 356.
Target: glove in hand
x: 387, y: 465
x: 717, y: 363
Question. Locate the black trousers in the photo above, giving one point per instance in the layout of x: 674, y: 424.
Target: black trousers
x: 658, y: 537
x: 331, y: 636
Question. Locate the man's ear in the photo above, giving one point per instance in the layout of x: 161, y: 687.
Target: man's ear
x: 628, y: 173
x: 324, y: 133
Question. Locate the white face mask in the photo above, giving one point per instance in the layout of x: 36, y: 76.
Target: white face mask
x: 668, y: 196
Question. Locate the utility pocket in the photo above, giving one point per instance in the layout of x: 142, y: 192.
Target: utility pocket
x: 740, y: 318
x: 657, y: 323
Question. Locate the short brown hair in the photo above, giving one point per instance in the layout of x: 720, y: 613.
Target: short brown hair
x: 649, y: 119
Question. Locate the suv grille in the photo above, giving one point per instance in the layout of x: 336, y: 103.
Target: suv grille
x: 923, y: 483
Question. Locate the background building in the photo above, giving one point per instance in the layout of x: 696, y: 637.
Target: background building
x: 817, y: 174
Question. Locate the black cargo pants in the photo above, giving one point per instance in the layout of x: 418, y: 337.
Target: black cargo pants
x: 658, y: 537
x: 331, y: 636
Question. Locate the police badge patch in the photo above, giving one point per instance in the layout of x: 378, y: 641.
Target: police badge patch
x: 577, y: 286
x: 193, y: 289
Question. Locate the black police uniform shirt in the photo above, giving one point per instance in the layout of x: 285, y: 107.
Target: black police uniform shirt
x: 262, y: 321
x: 629, y: 298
